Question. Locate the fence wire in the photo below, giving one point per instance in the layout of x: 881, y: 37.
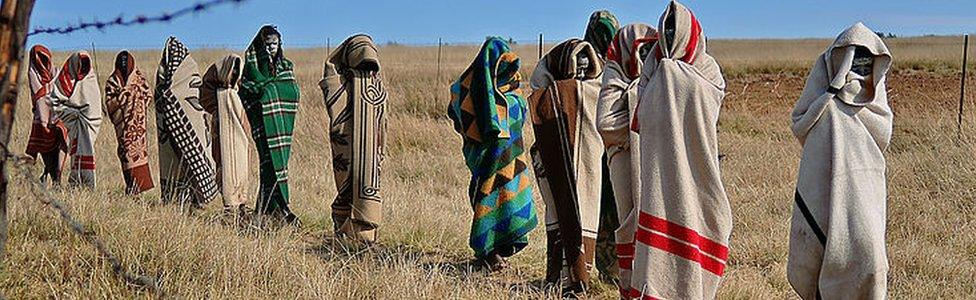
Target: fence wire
x: 137, y: 20
x: 44, y: 195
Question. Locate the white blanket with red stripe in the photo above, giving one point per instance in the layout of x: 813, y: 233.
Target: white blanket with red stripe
x: 77, y: 101
x: 685, y: 222
x: 843, y: 120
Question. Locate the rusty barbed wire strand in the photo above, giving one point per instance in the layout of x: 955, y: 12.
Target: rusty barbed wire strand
x: 42, y: 194
x: 137, y: 20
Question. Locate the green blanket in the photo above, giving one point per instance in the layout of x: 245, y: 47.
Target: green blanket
x: 270, y: 95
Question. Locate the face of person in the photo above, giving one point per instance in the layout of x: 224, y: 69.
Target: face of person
x: 863, y: 63
x: 272, y: 42
x: 669, y: 29
x: 582, y: 63
x: 644, y: 50
x: 124, y: 61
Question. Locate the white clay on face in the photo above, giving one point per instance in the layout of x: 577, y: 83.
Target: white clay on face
x: 272, y: 42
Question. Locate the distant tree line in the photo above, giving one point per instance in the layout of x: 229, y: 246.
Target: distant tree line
x: 885, y: 35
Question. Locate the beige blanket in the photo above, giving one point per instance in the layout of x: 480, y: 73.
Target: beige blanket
x: 231, y: 129
x: 356, y: 102
x: 685, y: 222
x: 567, y: 157
x: 616, y: 107
x: 844, y: 122
x: 78, y: 102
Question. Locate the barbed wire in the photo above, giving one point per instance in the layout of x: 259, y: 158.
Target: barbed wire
x: 43, y: 194
x: 137, y: 20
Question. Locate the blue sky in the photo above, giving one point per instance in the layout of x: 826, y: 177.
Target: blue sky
x: 309, y: 23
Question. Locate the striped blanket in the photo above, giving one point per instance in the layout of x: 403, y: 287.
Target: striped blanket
x: 489, y: 113
x: 615, y: 109
x: 600, y: 30
x: 127, y: 98
x: 685, y: 222
x: 186, y: 169
x: 567, y: 158
x: 48, y: 134
x: 270, y: 95
x: 356, y: 102
x: 77, y: 101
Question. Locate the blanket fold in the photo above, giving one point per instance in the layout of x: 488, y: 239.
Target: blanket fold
x: 684, y: 223
x: 488, y: 111
x: 356, y: 102
x: 844, y: 122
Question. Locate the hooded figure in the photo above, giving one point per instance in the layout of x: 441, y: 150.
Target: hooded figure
x: 843, y: 121
x: 48, y: 134
x: 600, y: 30
x: 77, y: 101
x: 685, y: 222
x: 231, y: 130
x: 127, y: 97
x: 186, y: 167
x: 270, y: 96
x: 488, y: 111
x: 567, y: 158
x: 356, y: 102
x: 615, y: 108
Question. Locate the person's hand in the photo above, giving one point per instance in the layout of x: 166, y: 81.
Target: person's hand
x: 850, y: 91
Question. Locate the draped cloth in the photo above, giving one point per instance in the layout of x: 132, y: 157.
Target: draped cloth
x: 77, y: 101
x: 844, y: 122
x: 615, y: 108
x: 356, y: 102
x: 488, y: 111
x: 685, y: 221
x: 127, y: 97
x: 600, y: 31
x: 186, y: 168
x: 567, y: 158
x: 48, y: 134
x: 231, y: 129
x: 270, y: 94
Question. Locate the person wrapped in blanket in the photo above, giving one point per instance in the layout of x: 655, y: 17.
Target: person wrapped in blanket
x: 127, y: 98
x: 186, y: 169
x: 270, y: 95
x: 48, y: 134
x: 77, y: 101
x: 489, y: 114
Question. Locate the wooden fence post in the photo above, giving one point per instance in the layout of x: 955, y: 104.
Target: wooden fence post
x: 962, y: 85
x: 14, y: 23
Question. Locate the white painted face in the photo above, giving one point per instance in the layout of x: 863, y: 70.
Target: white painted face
x: 271, y: 43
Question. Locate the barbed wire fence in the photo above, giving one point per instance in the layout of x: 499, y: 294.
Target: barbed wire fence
x: 163, y: 17
x: 14, y: 31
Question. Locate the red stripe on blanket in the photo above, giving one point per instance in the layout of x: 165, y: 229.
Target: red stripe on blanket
x: 625, y: 249
x: 680, y: 249
x: 685, y: 234
x: 83, y: 162
x: 692, y: 47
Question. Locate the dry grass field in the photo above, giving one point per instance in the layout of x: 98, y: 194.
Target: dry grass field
x: 423, y: 249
